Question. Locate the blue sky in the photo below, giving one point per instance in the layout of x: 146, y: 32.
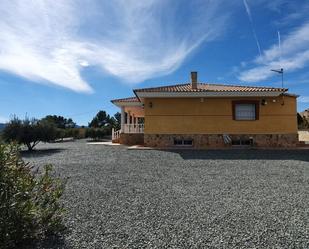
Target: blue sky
x: 72, y: 57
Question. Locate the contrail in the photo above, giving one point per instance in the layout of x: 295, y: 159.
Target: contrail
x: 248, y: 10
x: 279, y: 39
x: 251, y: 23
x: 279, y: 45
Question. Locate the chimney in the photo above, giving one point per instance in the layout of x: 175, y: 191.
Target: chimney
x: 194, y: 80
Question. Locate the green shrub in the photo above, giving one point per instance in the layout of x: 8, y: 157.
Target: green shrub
x: 60, y: 133
x: 90, y: 133
x: 97, y: 133
x: 29, y: 201
x: 71, y: 132
x: 76, y: 133
x: 81, y: 133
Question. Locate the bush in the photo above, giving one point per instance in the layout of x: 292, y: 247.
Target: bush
x: 29, y: 201
x: 81, y: 133
x: 97, y: 133
x: 76, y: 133
x: 29, y: 132
x: 60, y: 133
x: 90, y: 133
x: 72, y: 132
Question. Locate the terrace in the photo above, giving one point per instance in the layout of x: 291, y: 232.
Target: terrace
x: 132, y: 117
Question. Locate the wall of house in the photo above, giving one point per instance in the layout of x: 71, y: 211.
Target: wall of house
x: 204, y: 141
x: 131, y: 138
x: 215, y: 116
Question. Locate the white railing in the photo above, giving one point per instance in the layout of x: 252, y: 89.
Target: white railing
x: 128, y: 128
x: 115, y: 134
x: 133, y: 128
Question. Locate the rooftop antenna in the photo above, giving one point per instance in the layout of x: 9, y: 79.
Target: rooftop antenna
x: 280, y: 71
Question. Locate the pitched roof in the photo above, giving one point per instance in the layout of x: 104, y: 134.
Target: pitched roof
x: 206, y: 87
x: 130, y: 99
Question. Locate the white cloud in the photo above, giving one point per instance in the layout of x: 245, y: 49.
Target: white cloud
x: 134, y: 40
x: 303, y: 99
x: 293, y: 55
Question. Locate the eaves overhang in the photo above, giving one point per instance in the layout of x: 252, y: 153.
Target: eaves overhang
x: 142, y: 95
x: 120, y: 104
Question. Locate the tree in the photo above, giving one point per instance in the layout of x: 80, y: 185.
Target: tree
x: 29, y: 132
x: 59, y: 121
x: 102, y: 119
x: 97, y: 133
x: 117, y: 123
x: 302, y: 122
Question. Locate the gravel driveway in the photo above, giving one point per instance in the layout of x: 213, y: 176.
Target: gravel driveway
x: 119, y: 198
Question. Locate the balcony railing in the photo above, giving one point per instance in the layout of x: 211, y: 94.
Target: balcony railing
x: 133, y: 128
x: 128, y: 128
x: 115, y: 134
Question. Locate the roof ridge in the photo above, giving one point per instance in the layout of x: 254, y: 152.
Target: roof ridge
x: 209, y: 84
x: 223, y: 84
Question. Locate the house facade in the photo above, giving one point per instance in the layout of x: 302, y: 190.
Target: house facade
x: 203, y: 115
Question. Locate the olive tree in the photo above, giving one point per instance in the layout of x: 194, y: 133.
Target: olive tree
x: 29, y: 132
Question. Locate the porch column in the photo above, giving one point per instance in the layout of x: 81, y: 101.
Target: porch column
x: 122, y: 118
x: 128, y: 117
x: 136, y: 125
x: 133, y: 119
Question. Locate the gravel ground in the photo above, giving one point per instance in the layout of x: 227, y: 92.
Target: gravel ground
x: 119, y: 198
x: 303, y: 136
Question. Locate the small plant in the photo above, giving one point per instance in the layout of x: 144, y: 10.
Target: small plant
x: 29, y: 201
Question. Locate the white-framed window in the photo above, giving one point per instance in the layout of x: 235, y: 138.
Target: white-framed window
x: 183, y: 142
x: 245, y: 111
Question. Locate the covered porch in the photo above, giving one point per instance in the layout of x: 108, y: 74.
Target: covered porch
x: 132, y: 117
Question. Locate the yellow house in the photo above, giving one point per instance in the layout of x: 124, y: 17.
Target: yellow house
x: 203, y: 115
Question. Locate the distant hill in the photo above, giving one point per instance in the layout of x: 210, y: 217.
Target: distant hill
x: 2, y: 126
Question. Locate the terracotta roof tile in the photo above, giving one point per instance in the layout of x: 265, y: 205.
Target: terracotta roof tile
x: 130, y: 99
x: 206, y: 87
